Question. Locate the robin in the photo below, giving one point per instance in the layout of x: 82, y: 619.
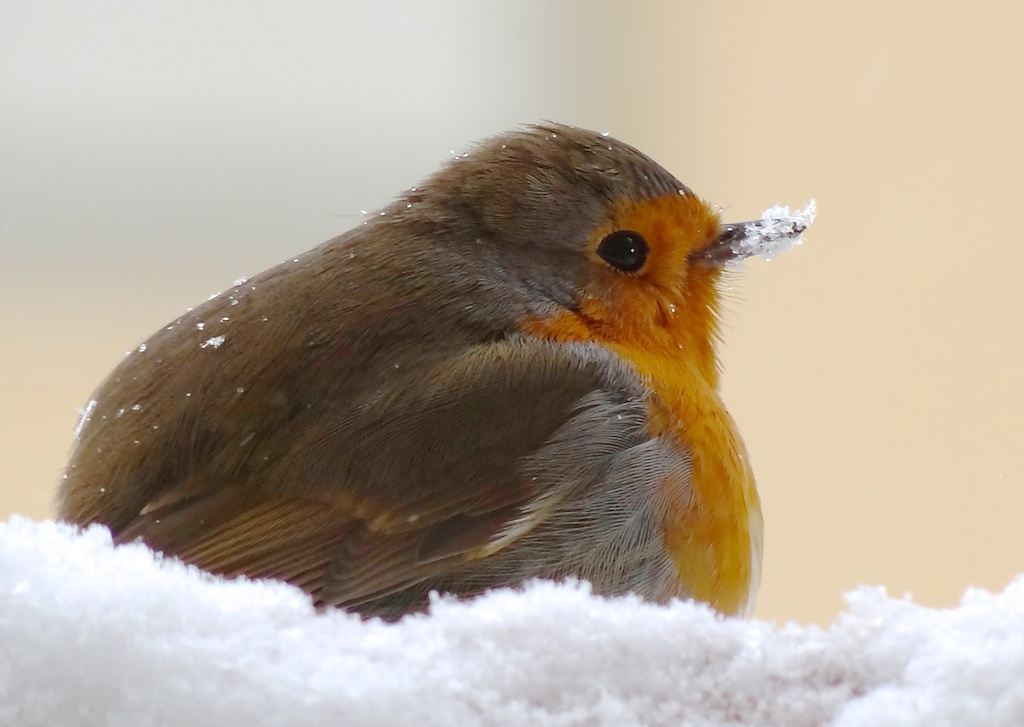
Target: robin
x: 507, y: 373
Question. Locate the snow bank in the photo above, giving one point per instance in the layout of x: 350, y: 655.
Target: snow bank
x: 93, y: 635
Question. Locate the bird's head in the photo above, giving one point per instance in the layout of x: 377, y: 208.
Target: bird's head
x: 605, y: 243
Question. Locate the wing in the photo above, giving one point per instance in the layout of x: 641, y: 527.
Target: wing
x: 510, y: 460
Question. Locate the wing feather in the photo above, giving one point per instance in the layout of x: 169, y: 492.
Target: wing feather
x: 514, y: 459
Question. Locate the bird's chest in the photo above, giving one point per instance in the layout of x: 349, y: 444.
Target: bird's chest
x: 714, y: 532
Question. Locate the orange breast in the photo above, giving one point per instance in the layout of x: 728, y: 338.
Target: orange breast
x: 715, y: 538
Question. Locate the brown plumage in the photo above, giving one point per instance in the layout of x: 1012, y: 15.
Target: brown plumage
x: 461, y: 393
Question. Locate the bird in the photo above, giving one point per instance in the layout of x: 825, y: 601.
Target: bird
x: 508, y: 373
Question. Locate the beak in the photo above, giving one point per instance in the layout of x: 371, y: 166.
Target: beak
x: 773, y: 234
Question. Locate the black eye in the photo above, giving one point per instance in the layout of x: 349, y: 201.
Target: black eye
x: 624, y: 250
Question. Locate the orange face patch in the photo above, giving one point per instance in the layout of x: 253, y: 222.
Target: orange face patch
x: 667, y: 308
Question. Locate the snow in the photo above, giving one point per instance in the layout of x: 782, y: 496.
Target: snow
x: 96, y: 635
x: 84, y: 416
x: 776, y: 232
x: 214, y: 342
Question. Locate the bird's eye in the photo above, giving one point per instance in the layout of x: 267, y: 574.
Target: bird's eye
x: 624, y: 250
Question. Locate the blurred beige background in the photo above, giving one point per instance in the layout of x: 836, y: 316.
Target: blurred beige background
x: 152, y: 153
